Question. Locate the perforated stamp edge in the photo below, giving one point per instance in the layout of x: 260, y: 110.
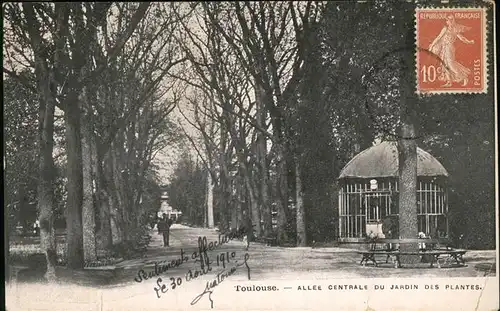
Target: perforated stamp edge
x: 485, y: 32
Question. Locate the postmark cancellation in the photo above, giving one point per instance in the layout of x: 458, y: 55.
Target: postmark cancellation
x: 451, y: 54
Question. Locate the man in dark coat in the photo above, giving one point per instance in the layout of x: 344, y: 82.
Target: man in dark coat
x: 247, y: 228
x: 164, y: 228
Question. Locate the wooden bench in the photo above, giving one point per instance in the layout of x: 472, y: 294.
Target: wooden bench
x: 113, y: 270
x: 456, y: 255
x: 386, y: 246
x: 369, y: 255
x: 271, y: 241
x: 429, y: 243
x: 431, y: 247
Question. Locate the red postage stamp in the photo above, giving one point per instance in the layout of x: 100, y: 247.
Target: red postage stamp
x: 451, y: 50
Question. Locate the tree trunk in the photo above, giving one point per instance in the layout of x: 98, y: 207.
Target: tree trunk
x: 102, y: 202
x: 234, y: 216
x: 262, y: 160
x: 210, y: 202
x: 224, y: 195
x: 254, y: 209
x: 190, y: 213
x: 75, y: 186
x: 407, y: 151
x: 282, y: 191
x: 205, y: 208
x: 116, y: 205
x: 109, y: 194
x: 88, y: 212
x: 239, y: 203
x: 301, y: 216
x: 45, y: 187
x: 6, y: 240
x: 408, y: 224
x: 121, y: 195
x: 116, y: 232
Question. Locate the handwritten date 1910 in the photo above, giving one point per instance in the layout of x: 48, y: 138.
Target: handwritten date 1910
x: 224, y: 258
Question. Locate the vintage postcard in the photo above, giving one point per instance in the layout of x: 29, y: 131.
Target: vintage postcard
x: 251, y: 155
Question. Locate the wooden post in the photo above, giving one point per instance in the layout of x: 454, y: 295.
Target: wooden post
x: 348, y: 212
x: 340, y: 198
x: 355, y: 211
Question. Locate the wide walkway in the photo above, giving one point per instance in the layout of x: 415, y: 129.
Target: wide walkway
x: 181, y: 237
x: 285, y: 268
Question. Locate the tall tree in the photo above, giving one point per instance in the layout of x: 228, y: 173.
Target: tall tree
x: 21, y: 147
x: 88, y: 204
x: 46, y: 116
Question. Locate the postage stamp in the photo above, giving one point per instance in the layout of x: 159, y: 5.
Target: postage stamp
x: 451, y: 50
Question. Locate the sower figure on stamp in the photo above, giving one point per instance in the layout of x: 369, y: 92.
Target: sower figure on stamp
x: 443, y: 47
x: 164, y: 228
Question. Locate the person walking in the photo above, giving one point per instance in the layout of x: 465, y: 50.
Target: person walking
x: 248, y: 229
x: 170, y: 222
x: 164, y: 229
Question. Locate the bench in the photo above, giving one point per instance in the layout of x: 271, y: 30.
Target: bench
x: 427, y: 247
x: 270, y: 241
x: 387, y: 243
x: 370, y: 256
x: 390, y: 245
x: 111, y: 269
x: 456, y: 255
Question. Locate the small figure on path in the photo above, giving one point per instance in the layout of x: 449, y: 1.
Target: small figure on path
x: 248, y: 229
x: 36, y: 228
x: 164, y: 228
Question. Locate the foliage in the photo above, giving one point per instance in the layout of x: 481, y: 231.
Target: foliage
x: 20, y: 148
x: 465, y: 148
x: 135, y: 246
x: 186, y: 190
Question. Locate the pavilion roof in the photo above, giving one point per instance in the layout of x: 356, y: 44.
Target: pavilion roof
x: 382, y: 161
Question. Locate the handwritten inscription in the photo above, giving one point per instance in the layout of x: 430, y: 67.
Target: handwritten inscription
x: 160, y: 268
x: 229, y: 261
x: 221, y: 276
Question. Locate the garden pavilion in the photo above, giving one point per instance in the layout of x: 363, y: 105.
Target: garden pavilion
x: 368, y: 194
